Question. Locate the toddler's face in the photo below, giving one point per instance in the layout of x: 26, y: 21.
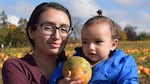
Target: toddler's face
x: 97, y: 42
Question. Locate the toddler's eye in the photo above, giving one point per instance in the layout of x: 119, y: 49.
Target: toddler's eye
x: 98, y: 42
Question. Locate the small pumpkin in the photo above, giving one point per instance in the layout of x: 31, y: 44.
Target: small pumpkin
x: 79, y: 67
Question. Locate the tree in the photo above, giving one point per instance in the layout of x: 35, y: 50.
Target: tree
x: 144, y: 36
x: 12, y: 26
x: 123, y: 36
x: 76, y: 28
x: 22, y: 23
x: 3, y: 34
x: 3, y: 19
x: 130, y: 32
x: 16, y: 38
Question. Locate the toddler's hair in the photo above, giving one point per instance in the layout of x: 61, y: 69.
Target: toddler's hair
x: 114, y: 27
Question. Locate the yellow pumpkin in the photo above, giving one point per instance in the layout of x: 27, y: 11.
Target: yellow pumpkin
x: 79, y: 68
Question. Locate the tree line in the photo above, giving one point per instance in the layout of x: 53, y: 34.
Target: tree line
x: 12, y: 35
x: 15, y: 36
x: 128, y: 33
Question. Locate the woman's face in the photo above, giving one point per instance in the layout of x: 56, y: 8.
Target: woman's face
x: 54, y: 43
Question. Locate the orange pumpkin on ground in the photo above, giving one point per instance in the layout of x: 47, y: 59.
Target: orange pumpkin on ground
x: 79, y: 67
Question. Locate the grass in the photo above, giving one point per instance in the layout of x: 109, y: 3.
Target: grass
x: 134, y: 44
x: 1, y: 79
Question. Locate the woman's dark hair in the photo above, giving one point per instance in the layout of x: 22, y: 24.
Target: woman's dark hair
x: 114, y: 27
x: 38, y: 11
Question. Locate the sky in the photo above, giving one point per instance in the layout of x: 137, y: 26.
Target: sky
x: 125, y: 12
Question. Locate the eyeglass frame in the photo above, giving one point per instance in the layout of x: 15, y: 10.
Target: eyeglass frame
x: 54, y: 27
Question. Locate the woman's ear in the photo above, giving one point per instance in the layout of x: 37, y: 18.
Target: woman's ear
x: 30, y: 32
x: 114, y: 44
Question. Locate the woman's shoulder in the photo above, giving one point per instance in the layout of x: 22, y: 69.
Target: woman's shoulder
x: 13, y: 65
x: 12, y: 61
x: 19, y: 62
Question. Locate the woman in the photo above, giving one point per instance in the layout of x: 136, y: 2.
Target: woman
x: 48, y: 30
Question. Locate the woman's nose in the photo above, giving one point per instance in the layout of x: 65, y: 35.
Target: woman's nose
x: 56, y: 34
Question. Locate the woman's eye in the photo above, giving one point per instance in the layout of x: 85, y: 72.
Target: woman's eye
x: 47, y: 28
x: 84, y: 42
x: 65, y: 30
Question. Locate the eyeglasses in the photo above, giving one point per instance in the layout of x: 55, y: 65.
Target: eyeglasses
x: 49, y: 29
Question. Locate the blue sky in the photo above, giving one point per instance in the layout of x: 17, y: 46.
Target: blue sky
x: 124, y: 12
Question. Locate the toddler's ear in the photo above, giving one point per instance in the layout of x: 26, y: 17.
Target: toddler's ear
x: 114, y: 44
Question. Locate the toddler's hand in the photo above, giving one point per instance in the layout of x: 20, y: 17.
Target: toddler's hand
x: 69, y: 80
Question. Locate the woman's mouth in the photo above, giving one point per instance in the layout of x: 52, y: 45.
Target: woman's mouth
x: 55, y: 45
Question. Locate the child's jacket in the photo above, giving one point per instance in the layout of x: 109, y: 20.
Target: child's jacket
x: 119, y: 68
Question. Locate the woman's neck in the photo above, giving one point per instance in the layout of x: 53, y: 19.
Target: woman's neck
x: 46, y: 64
